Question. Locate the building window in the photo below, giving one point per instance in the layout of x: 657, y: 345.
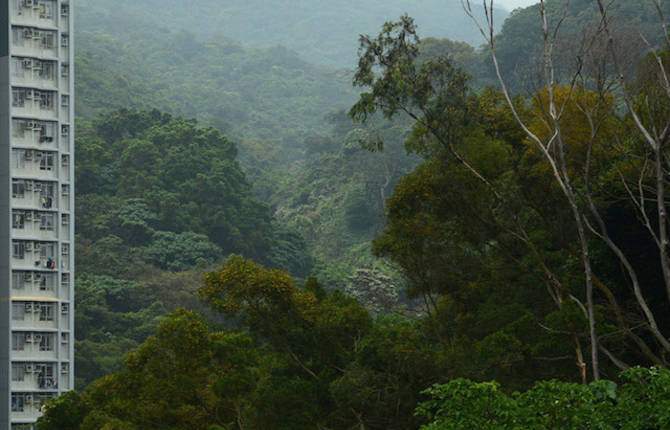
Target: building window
x: 19, y: 35
x: 19, y: 249
x: 18, y: 219
x: 47, y: 161
x: 18, y: 158
x: 18, y: 97
x: 19, y: 66
x: 64, y: 308
x: 65, y: 100
x: 65, y: 130
x: 18, y: 341
x: 18, y: 189
x: 47, y: 40
x: 18, y: 280
x: 18, y: 372
x: 46, y: 250
x: 64, y: 9
x: 64, y: 40
x: 46, y: 312
x: 18, y: 311
x: 46, y: 282
x: 18, y: 128
x: 65, y: 70
x: 18, y: 402
x: 46, y: 10
x: 46, y: 132
x: 47, y: 222
x: 64, y: 338
x: 46, y: 344
x: 46, y: 100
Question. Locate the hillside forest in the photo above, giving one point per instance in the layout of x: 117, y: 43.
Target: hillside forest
x: 417, y: 230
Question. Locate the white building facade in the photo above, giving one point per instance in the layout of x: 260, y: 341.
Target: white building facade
x: 37, y: 204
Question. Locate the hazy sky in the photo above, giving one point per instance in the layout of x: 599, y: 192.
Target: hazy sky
x: 512, y: 4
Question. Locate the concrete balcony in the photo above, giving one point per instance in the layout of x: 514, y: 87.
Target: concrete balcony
x: 36, y: 320
x: 29, y: 194
x: 34, y: 256
x: 36, y: 165
x: 35, y: 355
x: 30, y: 79
x: 40, y: 285
x: 34, y: 48
x: 35, y: 232
x: 30, y: 262
x: 36, y: 379
x: 44, y: 15
x: 28, y: 349
x: 35, y: 109
x: 28, y: 414
x: 36, y: 135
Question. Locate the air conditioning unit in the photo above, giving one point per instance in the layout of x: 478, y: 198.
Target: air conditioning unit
x: 29, y: 155
x: 38, y: 246
x: 29, y: 246
x: 38, y: 277
x: 28, y: 276
x: 29, y: 338
x: 30, y: 368
x: 38, y: 154
x: 28, y: 33
x: 27, y: 64
x: 29, y: 399
x: 29, y: 186
x: 32, y: 125
x: 38, y: 338
x: 29, y: 308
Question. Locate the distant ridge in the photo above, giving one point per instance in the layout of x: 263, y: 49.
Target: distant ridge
x: 322, y: 32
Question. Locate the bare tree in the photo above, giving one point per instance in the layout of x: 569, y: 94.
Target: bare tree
x: 598, y: 64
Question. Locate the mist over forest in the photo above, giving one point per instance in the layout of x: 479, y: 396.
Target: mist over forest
x: 368, y: 215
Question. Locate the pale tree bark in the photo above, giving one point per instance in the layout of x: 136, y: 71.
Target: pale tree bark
x: 655, y: 137
x: 552, y: 149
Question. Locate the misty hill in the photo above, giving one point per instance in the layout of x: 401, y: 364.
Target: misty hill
x: 322, y: 32
x: 267, y: 94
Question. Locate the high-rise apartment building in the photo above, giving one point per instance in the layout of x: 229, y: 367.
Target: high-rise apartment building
x: 37, y: 205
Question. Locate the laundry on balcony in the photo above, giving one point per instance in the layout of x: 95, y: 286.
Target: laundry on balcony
x: 47, y: 202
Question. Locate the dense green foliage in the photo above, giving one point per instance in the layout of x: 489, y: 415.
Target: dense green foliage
x: 305, y: 359
x: 159, y: 200
x: 471, y: 221
x: 303, y: 354
x: 641, y: 402
x: 146, y: 174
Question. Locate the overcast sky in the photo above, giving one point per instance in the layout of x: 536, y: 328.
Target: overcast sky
x: 513, y: 4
